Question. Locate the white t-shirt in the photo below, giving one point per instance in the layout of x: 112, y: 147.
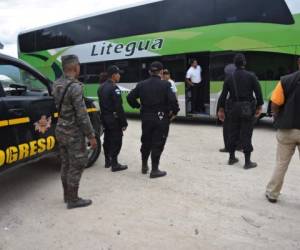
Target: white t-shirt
x: 173, y: 86
x: 194, y: 74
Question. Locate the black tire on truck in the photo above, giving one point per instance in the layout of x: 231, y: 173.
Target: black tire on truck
x: 93, y: 154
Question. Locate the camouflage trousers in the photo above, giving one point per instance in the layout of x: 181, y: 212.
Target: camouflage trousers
x: 74, y: 158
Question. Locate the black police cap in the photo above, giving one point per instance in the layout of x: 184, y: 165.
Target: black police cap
x: 156, y: 66
x: 113, y: 70
x: 239, y: 60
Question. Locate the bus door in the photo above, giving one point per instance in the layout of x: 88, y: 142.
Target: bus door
x: 203, y: 96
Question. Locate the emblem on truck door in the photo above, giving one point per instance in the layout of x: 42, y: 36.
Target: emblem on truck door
x: 43, y: 124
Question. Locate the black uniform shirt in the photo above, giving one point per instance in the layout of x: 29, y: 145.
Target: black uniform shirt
x: 246, y: 83
x: 155, y: 96
x: 110, y: 100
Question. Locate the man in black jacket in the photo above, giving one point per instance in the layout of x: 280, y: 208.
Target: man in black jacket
x: 113, y: 118
x: 286, y: 109
x: 158, y: 106
x: 228, y: 71
x: 241, y: 85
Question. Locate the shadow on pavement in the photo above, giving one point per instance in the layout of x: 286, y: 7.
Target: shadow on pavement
x: 17, y: 183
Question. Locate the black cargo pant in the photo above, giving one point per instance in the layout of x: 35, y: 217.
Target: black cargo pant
x: 240, y: 131
x: 226, y: 132
x: 113, y: 137
x: 154, y: 136
x: 198, y: 97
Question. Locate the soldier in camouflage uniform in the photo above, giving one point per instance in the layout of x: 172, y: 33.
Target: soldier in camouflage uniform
x: 72, y: 128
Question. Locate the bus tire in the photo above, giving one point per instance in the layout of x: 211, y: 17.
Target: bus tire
x: 93, y: 154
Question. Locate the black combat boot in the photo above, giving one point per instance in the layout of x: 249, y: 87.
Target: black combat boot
x: 145, y: 167
x: 74, y: 201
x: 248, y: 163
x: 115, y: 166
x: 156, y: 173
x: 107, y: 162
x: 66, y: 192
x: 223, y: 150
x: 232, y: 159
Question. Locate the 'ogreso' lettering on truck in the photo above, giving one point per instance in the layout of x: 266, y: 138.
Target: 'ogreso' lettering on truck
x: 25, y: 150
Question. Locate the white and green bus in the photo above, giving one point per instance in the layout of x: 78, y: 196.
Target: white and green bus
x: 173, y: 32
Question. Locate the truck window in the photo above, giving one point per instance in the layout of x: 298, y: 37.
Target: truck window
x: 12, y: 76
x: 2, y: 93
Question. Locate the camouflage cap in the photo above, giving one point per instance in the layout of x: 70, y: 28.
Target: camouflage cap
x: 69, y: 59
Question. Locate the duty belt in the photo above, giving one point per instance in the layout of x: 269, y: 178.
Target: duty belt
x: 160, y: 114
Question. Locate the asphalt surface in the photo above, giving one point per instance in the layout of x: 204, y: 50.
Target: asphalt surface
x: 201, y: 204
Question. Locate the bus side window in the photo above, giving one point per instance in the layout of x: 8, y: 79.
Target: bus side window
x: 270, y: 66
x: 91, y: 72
x: 267, y: 11
x: 218, y: 62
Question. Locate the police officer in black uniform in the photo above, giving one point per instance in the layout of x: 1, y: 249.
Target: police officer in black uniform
x: 158, y: 106
x: 241, y: 85
x: 113, y: 118
x: 228, y: 71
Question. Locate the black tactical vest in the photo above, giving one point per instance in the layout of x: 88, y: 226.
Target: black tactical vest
x: 289, y: 115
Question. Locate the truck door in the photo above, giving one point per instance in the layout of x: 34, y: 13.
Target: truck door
x: 29, y: 112
x: 6, y: 134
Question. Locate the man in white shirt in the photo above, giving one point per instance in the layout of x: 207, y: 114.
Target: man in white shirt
x: 194, y: 79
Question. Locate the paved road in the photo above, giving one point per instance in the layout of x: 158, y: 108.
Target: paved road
x: 201, y: 204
